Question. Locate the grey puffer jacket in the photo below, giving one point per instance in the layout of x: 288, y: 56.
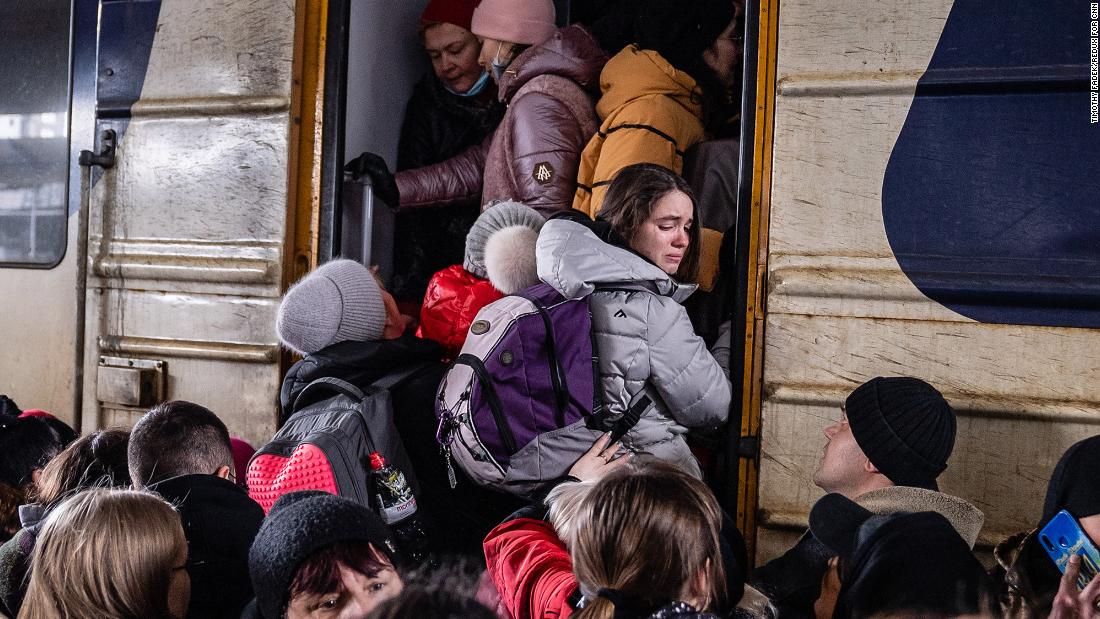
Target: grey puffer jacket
x: 642, y: 338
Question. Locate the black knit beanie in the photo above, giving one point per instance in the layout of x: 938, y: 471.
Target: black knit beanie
x: 1075, y: 484
x: 905, y: 427
x: 299, y: 524
x: 680, y: 31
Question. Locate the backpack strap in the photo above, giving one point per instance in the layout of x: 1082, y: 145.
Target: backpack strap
x: 328, y: 383
x: 343, y: 387
x: 638, y: 406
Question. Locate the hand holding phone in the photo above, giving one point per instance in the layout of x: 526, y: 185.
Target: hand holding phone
x: 1062, y: 538
x: 1071, y: 603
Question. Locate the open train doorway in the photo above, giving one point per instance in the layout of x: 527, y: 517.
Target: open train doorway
x: 379, y: 57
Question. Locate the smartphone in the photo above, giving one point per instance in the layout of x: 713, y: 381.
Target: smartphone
x: 1062, y: 538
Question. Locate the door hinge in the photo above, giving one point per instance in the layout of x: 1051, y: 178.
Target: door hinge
x: 105, y: 158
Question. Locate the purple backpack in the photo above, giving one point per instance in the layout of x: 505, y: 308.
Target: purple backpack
x: 519, y: 404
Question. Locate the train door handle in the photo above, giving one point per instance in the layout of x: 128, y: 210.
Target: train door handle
x: 105, y: 158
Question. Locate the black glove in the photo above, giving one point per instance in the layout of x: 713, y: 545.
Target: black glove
x: 374, y: 167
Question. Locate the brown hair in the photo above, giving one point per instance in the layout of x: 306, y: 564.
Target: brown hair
x: 646, y: 535
x: 630, y: 200
x: 320, y: 573
x: 98, y: 459
x: 10, y: 500
x: 105, y: 553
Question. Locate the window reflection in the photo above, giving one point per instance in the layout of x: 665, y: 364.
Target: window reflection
x: 34, y: 149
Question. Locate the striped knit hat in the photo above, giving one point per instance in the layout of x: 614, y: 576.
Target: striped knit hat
x: 905, y: 427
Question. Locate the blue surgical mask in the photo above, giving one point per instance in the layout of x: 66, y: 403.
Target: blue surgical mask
x: 474, y: 90
x: 499, y: 65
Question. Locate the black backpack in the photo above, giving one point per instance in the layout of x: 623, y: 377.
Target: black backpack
x: 326, y: 444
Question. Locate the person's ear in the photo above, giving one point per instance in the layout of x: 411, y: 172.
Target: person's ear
x: 869, y: 467
x: 225, y: 472
x: 36, y: 475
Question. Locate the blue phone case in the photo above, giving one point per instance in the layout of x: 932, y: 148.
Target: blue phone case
x: 1062, y: 538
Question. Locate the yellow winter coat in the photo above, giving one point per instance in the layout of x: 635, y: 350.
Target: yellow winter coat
x: 650, y: 112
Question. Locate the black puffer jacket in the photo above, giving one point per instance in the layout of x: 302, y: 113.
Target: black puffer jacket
x: 439, y: 124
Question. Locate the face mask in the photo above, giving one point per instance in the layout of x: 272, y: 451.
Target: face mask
x: 499, y: 65
x: 474, y: 90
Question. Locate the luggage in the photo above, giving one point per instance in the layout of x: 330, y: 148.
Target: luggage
x: 366, y: 227
x: 326, y: 445
x: 521, y: 401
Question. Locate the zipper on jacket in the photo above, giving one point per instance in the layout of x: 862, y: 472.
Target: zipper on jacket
x: 495, y: 406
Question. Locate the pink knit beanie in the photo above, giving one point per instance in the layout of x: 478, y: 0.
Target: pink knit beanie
x: 527, y: 22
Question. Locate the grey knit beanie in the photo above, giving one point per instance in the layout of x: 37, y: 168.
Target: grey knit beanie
x: 496, y: 216
x: 338, y: 302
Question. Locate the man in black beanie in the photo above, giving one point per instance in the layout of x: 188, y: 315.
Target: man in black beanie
x: 1025, y: 577
x: 885, y: 453
x: 894, y: 432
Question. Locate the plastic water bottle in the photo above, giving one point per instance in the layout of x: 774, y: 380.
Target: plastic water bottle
x: 394, y: 500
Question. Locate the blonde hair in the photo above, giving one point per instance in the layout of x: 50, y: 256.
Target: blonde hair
x: 647, y: 535
x: 105, y: 553
x: 563, y: 503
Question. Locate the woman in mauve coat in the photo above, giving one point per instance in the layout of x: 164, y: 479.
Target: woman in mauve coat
x: 549, y: 79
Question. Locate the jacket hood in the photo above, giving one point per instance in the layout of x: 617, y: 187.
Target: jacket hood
x: 574, y: 261
x: 966, y: 519
x: 635, y: 73
x: 32, y: 516
x: 571, y: 53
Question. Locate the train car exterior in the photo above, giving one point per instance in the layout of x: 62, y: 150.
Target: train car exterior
x: 187, y: 113
x: 933, y: 212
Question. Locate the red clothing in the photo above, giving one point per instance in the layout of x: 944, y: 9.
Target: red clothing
x: 453, y: 299
x: 531, y: 569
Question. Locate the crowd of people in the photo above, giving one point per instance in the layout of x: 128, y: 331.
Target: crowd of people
x: 152, y: 522
x: 556, y: 154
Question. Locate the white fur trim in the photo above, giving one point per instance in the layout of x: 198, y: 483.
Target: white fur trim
x: 510, y: 259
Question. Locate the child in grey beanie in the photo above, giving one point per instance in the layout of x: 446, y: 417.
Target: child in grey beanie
x: 339, y: 301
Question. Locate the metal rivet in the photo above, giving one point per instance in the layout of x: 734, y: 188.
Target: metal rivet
x: 479, y: 327
x: 506, y: 357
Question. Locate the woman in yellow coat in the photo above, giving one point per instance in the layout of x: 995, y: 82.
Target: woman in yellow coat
x: 651, y: 109
x: 652, y: 106
x: 650, y: 112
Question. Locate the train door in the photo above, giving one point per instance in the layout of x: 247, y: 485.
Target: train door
x: 39, y: 200
x: 383, y: 60
x: 188, y: 204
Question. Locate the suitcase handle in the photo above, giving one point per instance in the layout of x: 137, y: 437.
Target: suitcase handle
x: 328, y: 383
